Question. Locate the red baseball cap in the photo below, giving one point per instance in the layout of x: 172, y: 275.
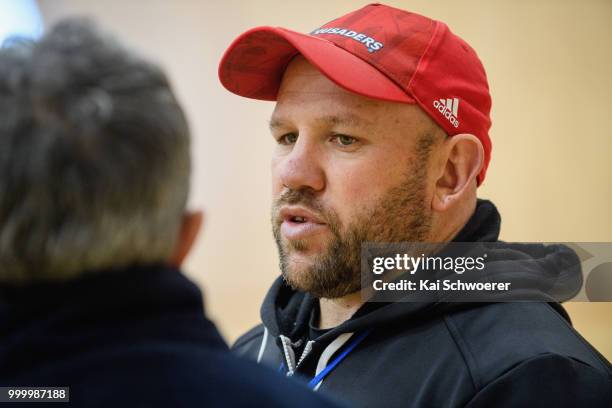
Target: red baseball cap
x: 377, y: 51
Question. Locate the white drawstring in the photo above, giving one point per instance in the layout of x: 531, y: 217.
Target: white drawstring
x: 264, y: 341
x: 329, y: 351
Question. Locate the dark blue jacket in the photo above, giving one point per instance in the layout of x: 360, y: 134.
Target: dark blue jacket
x: 130, y: 338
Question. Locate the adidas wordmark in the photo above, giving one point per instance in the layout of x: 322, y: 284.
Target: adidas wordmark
x: 449, y: 108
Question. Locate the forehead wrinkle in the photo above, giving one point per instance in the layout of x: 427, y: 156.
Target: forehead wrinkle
x: 344, y: 119
x: 347, y: 119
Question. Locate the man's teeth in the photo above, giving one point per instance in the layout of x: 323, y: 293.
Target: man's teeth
x: 298, y: 219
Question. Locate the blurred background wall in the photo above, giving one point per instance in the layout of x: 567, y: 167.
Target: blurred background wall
x: 549, y: 65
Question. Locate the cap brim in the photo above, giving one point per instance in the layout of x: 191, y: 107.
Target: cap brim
x: 254, y: 64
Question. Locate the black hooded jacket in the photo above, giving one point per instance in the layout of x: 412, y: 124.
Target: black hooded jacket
x: 440, y: 354
x: 129, y: 338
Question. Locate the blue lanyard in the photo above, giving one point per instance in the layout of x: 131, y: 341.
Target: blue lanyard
x: 316, y: 380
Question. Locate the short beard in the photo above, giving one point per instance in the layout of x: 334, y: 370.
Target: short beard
x: 401, y: 215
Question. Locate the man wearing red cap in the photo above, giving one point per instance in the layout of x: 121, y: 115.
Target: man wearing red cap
x: 382, y: 129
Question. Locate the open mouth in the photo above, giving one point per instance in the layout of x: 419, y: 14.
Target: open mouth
x: 299, y: 215
x: 300, y: 223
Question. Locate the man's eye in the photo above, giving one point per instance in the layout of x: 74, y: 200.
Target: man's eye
x: 289, y: 138
x: 345, y: 140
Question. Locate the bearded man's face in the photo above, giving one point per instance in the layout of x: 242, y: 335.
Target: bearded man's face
x: 346, y: 169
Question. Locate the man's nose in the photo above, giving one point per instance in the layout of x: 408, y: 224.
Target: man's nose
x: 302, y: 168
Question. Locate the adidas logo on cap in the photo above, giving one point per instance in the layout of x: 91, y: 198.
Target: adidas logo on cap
x: 449, y: 109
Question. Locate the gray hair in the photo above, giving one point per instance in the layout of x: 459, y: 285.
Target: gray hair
x: 94, y: 157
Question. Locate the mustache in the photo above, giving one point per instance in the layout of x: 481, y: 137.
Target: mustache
x: 305, y: 197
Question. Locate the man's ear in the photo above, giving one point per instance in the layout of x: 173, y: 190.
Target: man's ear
x: 463, y: 157
x: 190, y: 227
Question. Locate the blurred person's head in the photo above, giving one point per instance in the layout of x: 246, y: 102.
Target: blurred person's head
x: 94, y: 159
x: 381, y: 121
